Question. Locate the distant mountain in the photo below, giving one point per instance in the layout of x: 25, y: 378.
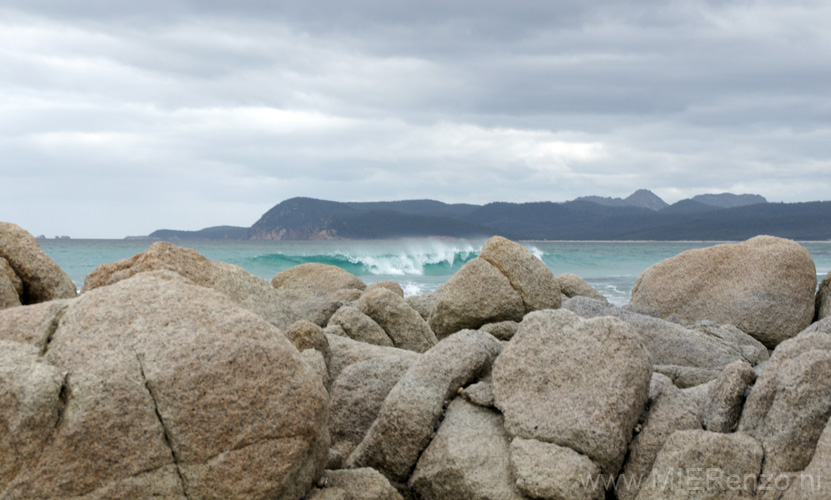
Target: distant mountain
x: 646, y: 199
x: 729, y: 200
x: 301, y: 219
x: 688, y: 207
x: 581, y: 219
x: 310, y: 219
x: 415, y: 207
x: 209, y: 233
x: 642, y: 198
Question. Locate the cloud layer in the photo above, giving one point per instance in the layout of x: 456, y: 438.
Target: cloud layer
x: 120, y: 117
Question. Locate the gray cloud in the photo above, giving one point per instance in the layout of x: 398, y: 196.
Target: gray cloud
x: 120, y: 117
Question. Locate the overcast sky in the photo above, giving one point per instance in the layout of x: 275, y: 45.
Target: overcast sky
x: 118, y: 118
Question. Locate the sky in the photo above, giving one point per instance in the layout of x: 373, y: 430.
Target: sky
x: 118, y: 118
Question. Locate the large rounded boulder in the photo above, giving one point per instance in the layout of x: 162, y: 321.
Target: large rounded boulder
x: 580, y: 384
x: 528, y: 275
x: 705, y: 465
x: 319, y: 280
x: 764, y: 286
x: 476, y: 295
x: 504, y: 283
x: 157, y: 387
x: 249, y: 291
x: 25, y: 270
x: 790, y: 403
x: 401, y: 323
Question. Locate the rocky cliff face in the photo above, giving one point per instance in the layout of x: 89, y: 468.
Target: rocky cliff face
x: 300, y: 219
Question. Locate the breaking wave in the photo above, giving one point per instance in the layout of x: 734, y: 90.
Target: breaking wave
x: 437, y: 260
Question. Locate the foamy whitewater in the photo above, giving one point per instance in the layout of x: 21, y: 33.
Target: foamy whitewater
x: 418, y: 265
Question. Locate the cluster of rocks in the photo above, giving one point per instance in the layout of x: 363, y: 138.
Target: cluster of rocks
x: 173, y: 376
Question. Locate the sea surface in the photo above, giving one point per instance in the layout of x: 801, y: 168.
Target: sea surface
x: 418, y: 265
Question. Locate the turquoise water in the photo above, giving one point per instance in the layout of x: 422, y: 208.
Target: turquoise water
x: 418, y: 265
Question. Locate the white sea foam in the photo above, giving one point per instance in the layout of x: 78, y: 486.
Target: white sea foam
x: 411, y: 289
x: 612, y: 292
x: 536, y: 252
x: 413, y: 261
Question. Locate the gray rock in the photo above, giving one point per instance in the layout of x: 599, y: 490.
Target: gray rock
x: 528, y: 275
x: 687, y: 376
x: 318, y: 280
x: 165, y: 380
x: 504, y: 330
x: 760, y: 368
x: 753, y: 351
x: 412, y: 409
x: 30, y: 407
x: 698, y: 397
x: 645, y: 310
x: 669, y: 410
x: 727, y: 396
x: 469, y: 458
x: 476, y: 295
x: 316, y: 363
x: 356, y: 398
x: 357, y: 484
x: 317, y: 310
x: 402, y: 324
x: 823, y: 298
x: 358, y: 326
x: 11, y: 288
x: 328, y: 494
x: 704, y: 465
x: 249, y: 291
x: 764, y: 286
x: 389, y: 285
x: 335, y: 460
x: 658, y: 384
x: 821, y: 326
x: 814, y: 482
x: 347, y: 295
x: 35, y: 324
x: 573, y: 382
x: 424, y: 303
x: 480, y: 393
x: 789, y: 405
x: 41, y: 279
x: 346, y: 351
x: 334, y: 330
x: 306, y: 335
x: 669, y: 343
x: 572, y: 285
x: 545, y: 470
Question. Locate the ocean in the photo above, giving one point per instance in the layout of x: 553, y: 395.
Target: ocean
x: 418, y: 265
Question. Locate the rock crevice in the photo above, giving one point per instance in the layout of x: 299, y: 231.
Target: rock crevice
x: 165, y: 430
x: 53, y: 326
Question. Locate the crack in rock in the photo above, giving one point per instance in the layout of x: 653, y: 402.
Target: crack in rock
x: 165, y: 432
x: 511, y: 281
x: 53, y: 328
x: 63, y: 399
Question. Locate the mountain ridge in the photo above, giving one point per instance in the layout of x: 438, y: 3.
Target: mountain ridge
x: 642, y: 198
x: 698, y: 218
x: 729, y: 200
